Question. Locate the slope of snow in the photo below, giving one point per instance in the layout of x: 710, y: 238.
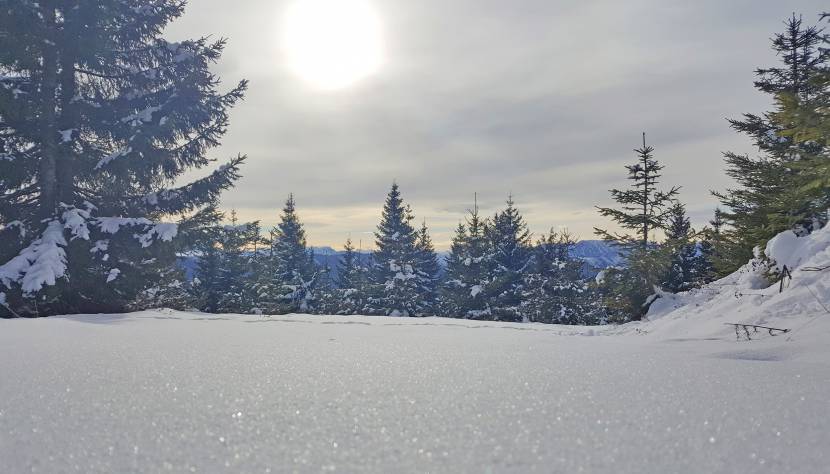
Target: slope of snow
x: 167, y: 391
x: 802, y: 306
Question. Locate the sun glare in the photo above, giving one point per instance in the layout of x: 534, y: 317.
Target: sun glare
x: 332, y: 43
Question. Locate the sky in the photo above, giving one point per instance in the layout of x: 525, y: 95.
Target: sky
x: 541, y: 99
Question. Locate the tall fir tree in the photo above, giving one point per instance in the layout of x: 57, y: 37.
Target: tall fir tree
x: 349, y: 295
x: 237, y: 242
x: 293, y: 270
x: 643, y: 209
x: 428, y: 271
x: 682, y: 251
x: 467, y: 276
x: 99, y: 116
x: 225, y: 269
x: 510, y: 243
x: 771, y: 195
x: 395, y: 275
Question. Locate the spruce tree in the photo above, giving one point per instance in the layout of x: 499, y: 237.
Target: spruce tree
x: 395, y: 274
x: 684, y: 258
x: 349, y: 293
x: 711, y: 244
x: 237, y: 242
x: 225, y: 271
x: 556, y: 291
x: 468, y: 275
x: 643, y: 208
x: 428, y: 271
x: 510, y: 243
x: 293, y: 270
x: 99, y: 116
x: 771, y: 195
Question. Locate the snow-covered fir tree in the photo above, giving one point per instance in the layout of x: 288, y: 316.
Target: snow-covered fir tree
x: 207, y: 282
x: 348, y: 295
x: 237, y: 274
x: 556, y: 291
x: 293, y: 272
x: 225, y: 276
x: 511, y: 255
x: 396, y: 278
x: 462, y: 293
x: 428, y: 270
x: 99, y: 116
x: 682, y: 251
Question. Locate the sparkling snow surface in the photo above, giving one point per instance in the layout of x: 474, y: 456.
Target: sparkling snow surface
x: 167, y: 391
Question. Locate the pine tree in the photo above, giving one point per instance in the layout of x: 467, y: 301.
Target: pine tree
x: 556, y: 290
x: 99, y: 115
x: 643, y: 209
x: 510, y: 243
x: 293, y: 270
x: 468, y: 275
x: 428, y: 271
x: 771, y: 196
x: 396, y: 283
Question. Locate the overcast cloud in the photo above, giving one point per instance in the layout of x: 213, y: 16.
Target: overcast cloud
x: 541, y: 98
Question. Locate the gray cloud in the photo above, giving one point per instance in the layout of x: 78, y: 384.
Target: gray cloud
x: 544, y: 99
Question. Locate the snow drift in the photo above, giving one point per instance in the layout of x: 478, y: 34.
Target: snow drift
x: 748, y: 296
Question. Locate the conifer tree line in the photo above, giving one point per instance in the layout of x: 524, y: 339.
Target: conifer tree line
x: 100, y: 117
x: 494, y: 271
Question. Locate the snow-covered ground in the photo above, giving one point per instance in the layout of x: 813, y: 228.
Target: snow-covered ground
x: 162, y: 390
x: 168, y: 391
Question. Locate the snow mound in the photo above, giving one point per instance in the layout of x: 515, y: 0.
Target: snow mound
x: 748, y: 296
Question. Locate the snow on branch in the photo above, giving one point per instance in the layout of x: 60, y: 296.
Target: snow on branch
x: 40, y: 264
x: 153, y: 231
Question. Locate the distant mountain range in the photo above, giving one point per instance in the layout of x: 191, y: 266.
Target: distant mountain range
x: 598, y: 254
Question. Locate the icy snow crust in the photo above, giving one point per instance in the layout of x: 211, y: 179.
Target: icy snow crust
x: 168, y: 391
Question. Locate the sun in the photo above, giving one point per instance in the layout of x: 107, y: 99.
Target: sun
x: 332, y: 44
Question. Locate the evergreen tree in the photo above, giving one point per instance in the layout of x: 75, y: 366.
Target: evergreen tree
x: 468, y: 271
x: 349, y: 294
x: 643, y: 210
x: 395, y: 275
x: 771, y: 196
x: 207, y: 283
x: 711, y: 245
x: 293, y: 270
x: 237, y: 276
x: 98, y: 116
x: 556, y: 291
x: 510, y: 243
x: 428, y: 271
x: 225, y: 272
x: 684, y: 257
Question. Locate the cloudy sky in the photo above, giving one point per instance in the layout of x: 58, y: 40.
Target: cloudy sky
x: 544, y: 99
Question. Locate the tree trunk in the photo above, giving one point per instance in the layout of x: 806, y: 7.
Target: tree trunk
x: 47, y: 179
